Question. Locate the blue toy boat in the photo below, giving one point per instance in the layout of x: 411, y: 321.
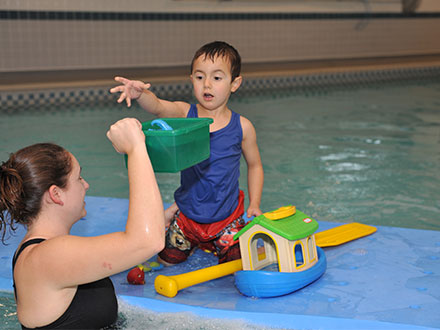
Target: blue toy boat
x: 261, y: 283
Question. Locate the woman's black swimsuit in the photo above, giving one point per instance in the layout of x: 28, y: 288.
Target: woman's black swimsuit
x: 94, y: 305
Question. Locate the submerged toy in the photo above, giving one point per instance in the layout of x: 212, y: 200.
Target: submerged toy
x: 295, y: 251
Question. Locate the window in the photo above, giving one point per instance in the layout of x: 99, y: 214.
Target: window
x: 299, y: 255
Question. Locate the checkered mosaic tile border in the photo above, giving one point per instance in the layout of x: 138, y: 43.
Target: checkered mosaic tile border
x: 58, y: 98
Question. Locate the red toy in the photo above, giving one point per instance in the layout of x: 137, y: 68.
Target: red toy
x: 136, y: 276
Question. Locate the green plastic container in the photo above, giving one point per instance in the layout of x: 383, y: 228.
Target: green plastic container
x: 174, y: 150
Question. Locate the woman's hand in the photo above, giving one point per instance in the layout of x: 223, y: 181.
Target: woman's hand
x: 126, y: 134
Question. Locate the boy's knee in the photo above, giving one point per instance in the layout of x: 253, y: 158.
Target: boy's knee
x: 232, y: 253
x: 169, y: 257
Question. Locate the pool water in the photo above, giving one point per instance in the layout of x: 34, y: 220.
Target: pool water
x: 369, y: 155
x: 135, y: 318
x: 8, y: 311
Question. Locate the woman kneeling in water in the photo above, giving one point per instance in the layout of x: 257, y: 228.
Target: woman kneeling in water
x: 61, y: 280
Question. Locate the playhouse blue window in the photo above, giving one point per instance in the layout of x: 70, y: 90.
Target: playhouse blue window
x: 299, y: 255
x: 261, y: 248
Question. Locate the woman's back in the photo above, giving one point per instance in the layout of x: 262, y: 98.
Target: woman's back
x: 94, y: 305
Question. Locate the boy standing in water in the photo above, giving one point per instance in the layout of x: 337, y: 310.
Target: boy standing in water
x: 209, y: 206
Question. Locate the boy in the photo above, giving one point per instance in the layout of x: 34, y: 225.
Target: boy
x: 209, y: 205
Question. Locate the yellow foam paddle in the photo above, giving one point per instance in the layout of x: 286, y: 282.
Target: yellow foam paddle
x: 169, y: 285
x: 343, y: 234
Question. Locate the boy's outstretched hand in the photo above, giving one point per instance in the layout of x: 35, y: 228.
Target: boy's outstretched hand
x: 130, y: 89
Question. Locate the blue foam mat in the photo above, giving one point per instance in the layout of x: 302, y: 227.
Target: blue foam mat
x: 389, y: 280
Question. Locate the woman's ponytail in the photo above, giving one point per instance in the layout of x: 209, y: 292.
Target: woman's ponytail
x: 25, y: 177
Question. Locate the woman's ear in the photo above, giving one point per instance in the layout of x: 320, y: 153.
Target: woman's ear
x: 236, y: 84
x: 55, y: 195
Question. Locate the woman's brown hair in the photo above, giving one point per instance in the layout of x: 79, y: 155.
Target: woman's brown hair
x: 25, y: 177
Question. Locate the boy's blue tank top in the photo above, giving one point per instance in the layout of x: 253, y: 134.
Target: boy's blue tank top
x: 209, y: 190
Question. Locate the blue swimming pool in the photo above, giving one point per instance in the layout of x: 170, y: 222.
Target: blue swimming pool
x: 368, y: 154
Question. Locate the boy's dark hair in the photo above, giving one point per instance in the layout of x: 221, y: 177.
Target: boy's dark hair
x: 221, y: 49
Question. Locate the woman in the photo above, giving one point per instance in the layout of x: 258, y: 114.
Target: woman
x: 61, y: 280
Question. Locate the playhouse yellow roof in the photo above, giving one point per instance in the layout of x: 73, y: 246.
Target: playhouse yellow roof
x: 294, y: 227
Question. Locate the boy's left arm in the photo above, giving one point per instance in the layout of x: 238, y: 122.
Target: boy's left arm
x: 255, y: 168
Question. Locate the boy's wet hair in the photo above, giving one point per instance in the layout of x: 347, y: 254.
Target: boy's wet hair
x: 220, y: 49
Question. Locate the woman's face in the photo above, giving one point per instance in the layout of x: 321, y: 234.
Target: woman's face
x: 76, y: 191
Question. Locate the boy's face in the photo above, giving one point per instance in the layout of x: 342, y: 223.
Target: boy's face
x: 212, y: 81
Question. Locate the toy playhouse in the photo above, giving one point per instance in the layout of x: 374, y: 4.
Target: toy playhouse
x: 284, y: 238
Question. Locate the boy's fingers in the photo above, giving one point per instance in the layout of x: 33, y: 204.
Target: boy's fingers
x: 121, y: 79
x: 121, y: 98
x: 117, y: 89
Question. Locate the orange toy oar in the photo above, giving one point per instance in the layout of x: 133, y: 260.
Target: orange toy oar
x: 169, y: 285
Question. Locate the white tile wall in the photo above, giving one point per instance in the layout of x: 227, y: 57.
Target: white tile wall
x: 28, y: 45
